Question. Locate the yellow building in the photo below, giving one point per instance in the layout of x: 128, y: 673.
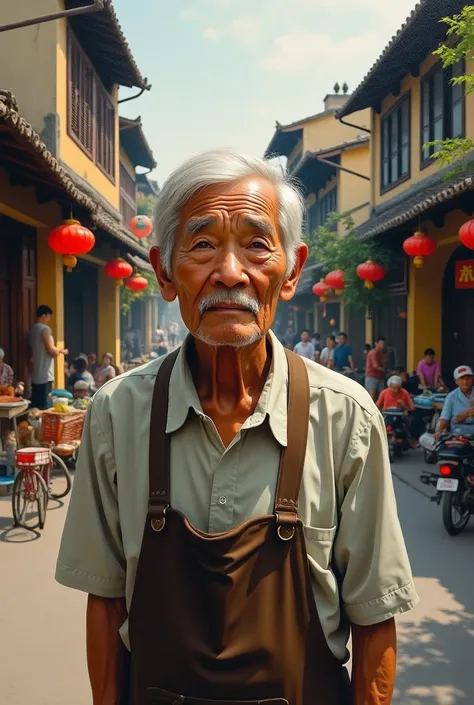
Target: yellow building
x: 60, y: 156
x: 331, y: 162
x: 413, y: 102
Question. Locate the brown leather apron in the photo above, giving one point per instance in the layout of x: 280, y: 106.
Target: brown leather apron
x: 231, y: 617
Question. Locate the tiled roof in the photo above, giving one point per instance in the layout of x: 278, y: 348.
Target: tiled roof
x: 408, y: 48
x: 135, y: 143
x: 101, y: 35
x: 414, y: 202
x: 329, y: 151
x: 58, y: 176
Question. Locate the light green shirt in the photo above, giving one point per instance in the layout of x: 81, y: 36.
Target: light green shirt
x: 347, y: 502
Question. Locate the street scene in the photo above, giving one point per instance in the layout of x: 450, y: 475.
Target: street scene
x: 236, y: 352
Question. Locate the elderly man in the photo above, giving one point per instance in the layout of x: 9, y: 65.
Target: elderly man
x: 458, y: 409
x: 6, y: 372
x: 233, y: 512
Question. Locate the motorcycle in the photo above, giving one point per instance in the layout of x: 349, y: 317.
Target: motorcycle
x: 429, y: 408
x: 397, y: 432
x: 454, y: 482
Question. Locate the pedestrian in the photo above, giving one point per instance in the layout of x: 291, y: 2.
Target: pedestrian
x: 6, y: 372
x: 343, y: 360
x: 375, y: 370
x: 429, y: 373
x: 105, y: 371
x: 43, y: 353
x: 327, y: 354
x: 305, y: 347
x: 256, y: 482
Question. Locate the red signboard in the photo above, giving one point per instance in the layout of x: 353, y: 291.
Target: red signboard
x: 464, y: 274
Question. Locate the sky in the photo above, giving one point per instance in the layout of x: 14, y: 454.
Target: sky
x: 224, y: 71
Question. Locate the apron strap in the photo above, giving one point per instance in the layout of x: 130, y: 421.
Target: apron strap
x: 159, y: 449
x: 293, y: 456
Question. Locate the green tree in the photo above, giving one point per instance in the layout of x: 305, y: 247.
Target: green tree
x: 459, y: 45
x: 146, y: 205
x: 346, y: 252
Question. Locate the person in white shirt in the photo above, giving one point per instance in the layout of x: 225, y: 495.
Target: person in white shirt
x: 327, y: 354
x: 305, y: 348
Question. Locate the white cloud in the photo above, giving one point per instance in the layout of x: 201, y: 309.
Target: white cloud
x: 211, y: 33
x: 245, y: 29
x: 299, y: 52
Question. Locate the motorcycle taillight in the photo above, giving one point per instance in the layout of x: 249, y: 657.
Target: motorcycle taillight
x: 389, y: 429
x: 445, y: 470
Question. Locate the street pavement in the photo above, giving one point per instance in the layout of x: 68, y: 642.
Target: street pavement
x: 42, y: 626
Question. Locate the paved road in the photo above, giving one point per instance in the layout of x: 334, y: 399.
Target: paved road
x: 42, y: 624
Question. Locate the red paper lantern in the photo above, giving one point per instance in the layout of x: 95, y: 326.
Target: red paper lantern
x: 419, y: 246
x: 466, y: 234
x: 141, y: 225
x: 321, y: 289
x: 70, y: 239
x: 118, y: 269
x: 136, y: 283
x: 370, y: 272
x: 336, y: 280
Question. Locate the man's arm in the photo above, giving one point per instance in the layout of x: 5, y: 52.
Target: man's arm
x: 421, y: 377
x: 374, y: 663
x: 351, y: 362
x: 48, y: 341
x: 106, y: 653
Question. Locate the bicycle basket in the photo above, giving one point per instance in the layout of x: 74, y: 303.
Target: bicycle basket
x: 62, y: 428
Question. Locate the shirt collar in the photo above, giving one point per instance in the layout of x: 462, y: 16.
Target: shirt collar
x: 272, y: 403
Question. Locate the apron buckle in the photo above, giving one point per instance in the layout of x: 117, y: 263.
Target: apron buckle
x: 158, y: 522
x: 285, y: 529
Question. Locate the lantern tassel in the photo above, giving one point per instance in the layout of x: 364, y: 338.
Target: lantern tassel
x: 368, y: 285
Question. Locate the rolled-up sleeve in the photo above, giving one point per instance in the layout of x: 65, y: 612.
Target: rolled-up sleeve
x: 91, y: 556
x: 369, y: 550
x: 448, y: 408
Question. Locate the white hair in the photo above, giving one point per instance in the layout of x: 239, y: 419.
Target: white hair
x: 218, y: 167
x: 395, y: 379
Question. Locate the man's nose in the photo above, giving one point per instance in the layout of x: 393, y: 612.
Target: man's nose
x: 229, y: 272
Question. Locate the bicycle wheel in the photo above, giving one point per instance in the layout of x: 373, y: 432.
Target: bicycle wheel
x: 60, y: 482
x: 29, y: 500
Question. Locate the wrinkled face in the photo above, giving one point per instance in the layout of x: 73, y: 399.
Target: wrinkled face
x: 229, y: 265
x: 305, y: 337
x: 465, y: 384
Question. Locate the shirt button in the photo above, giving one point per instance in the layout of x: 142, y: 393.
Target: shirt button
x: 222, y: 499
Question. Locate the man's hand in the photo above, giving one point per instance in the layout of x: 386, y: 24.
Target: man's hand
x: 64, y: 351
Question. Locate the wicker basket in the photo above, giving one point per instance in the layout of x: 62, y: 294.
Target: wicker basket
x: 62, y: 428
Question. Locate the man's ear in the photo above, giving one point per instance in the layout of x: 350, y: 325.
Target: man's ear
x: 288, y: 289
x: 164, y: 281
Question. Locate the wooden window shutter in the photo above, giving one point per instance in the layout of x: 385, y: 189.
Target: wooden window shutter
x: 81, y: 96
x: 105, y: 131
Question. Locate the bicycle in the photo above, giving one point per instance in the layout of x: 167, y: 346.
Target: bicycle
x: 30, y: 487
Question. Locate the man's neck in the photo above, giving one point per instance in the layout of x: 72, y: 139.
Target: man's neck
x: 229, y: 381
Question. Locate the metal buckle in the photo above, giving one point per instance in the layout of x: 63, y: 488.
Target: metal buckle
x: 285, y: 532
x: 158, y: 523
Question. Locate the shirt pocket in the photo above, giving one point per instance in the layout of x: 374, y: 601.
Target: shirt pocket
x: 319, y: 543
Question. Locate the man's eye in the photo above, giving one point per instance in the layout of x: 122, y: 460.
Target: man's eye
x: 258, y: 245
x: 202, y: 245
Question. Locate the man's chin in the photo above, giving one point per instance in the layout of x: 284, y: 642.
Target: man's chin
x: 238, y: 337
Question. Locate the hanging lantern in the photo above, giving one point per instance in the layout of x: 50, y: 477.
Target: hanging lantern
x: 140, y: 226
x: 466, y: 234
x: 419, y: 246
x: 336, y: 280
x: 321, y: 289
x: 136, y: 283
x: 70, y: 239
x: 332, y: 322
x: 118, y: 269
x: 370, y: 272
x: 403, y: 315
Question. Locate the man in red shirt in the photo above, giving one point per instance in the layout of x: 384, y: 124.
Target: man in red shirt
x: 375, y: 370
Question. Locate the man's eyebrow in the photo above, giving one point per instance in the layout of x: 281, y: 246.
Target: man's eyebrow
x: 260, y: 224
x: 194, y: 225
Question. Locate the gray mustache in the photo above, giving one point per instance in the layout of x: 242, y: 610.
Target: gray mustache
x: 229, y: 296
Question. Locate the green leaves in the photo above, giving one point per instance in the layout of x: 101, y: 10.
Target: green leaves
x: 346, y: 251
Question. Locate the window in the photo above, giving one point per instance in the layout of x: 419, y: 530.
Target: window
x: 128, y: 195
x: 318, y: 213
x: 91, y: 115
x: 396, y: 144
x: 442, y: 108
